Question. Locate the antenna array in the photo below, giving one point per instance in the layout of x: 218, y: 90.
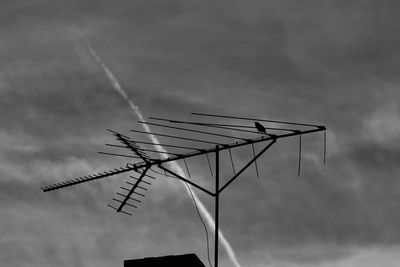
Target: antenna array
x: 215, y: 137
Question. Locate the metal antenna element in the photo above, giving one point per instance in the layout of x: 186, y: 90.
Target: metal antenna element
x: 324, y: 147
x: 299, y: 165
x: 233, y: 165
x: 209, y: 164
x: 252, y: 119
x: 255, y: 161
x: 243, y: 133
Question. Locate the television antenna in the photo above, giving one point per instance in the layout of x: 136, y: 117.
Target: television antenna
x: 245, y: 132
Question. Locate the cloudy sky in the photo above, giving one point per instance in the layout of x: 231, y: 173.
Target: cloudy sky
x: 334, y: 63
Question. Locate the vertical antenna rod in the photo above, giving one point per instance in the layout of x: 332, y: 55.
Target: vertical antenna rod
x: 299, y: 164
x: 324, y: 147
x: 216, y: 205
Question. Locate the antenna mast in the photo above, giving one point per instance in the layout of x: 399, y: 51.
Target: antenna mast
x: 242, y: 133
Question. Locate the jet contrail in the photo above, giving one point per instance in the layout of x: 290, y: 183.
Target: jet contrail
x: 117, y: 87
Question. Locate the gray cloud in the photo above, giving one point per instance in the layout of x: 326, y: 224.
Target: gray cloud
x: 330, y: 62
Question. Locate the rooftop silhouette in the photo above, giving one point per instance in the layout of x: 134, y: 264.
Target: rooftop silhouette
x: 172, y: 260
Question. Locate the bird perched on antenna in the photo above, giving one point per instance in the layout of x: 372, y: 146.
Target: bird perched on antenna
x: 260, y: 128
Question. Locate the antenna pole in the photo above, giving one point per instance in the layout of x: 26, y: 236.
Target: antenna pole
x: 216, y: 205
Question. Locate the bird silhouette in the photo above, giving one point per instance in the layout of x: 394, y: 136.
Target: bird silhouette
x: 260, y: 128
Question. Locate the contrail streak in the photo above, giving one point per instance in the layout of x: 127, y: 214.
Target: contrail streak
x: 117, y: 87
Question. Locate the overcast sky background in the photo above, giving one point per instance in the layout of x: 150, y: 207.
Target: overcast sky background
x: 334, y: 63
